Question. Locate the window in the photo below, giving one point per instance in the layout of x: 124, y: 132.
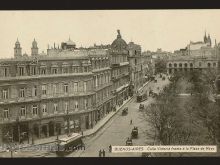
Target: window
x: 33, y: 70
x: 43, y: 71
x: 75, y: 87
x: 23, y: 111
x: 35, y: 110
x: 5, y: 72
x: 34, y: 91
x: 85, y: 103
x: 22, y: 92
x: 214, y: 64
x: 6, y: 113
x: 65, y: 70
x: 96, y: 81
x: 75, y: 69
x: 76, y: 105
x: 44, y: 108
x: 5, y: 93
x: 54, y: 88
x: 66, y: 107
x: 21, y: 71
x: 55, y: 108
x: 85, y: 86
x: 65, y: 88
x: 200, y: 64
x: 209, y: 65
x: 44, y: 91
x: 54, y: 71
x: 85, y: 69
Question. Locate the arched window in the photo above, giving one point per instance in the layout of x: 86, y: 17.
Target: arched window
x: 175, y: 65
x: 214, y: 64
x: 185, y: 65
x: 180, y: 64
x: 170, y: 65
x: 191, y: 65
x: 209, y: 65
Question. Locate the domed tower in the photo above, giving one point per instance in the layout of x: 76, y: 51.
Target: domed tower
x: 17, y: 49
x: 119, y: 43
x: 34, y: 49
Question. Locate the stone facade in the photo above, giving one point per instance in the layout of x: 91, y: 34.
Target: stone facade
x: 187, y: 64
x: 47, y: 95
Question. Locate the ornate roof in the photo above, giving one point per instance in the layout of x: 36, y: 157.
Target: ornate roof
x: 119, y: 43
x: 70, y: 42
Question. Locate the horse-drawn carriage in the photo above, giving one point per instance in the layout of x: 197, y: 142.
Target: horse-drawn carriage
x: 141, y: 107
x: 129, y: 142
x: 125, y: 111
x: 134, y: 132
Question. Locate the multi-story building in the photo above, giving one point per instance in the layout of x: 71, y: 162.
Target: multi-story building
x: 135, y: 66
x: 120, y: 70
x: 188, y: 64
x: 66, y: 90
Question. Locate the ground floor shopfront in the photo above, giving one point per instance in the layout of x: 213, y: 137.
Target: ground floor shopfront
x: 120, y: 97
x: 29, y: 131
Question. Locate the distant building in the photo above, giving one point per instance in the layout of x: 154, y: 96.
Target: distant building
x: 184, y: 64
x: 202, y: 48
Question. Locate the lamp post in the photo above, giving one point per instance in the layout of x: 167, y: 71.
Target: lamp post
x: 10, y: 141
x: 68, y: 122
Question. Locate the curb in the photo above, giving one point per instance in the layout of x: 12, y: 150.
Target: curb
x: 109, y: 119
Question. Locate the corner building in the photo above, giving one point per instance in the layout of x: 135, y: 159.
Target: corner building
x: 42, y: 95
x: 120, y: 70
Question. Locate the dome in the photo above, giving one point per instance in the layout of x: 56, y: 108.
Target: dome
x: 119, y: 43
x: 70, y: 42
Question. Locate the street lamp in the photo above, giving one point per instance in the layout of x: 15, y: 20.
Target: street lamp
x: 10, y: 141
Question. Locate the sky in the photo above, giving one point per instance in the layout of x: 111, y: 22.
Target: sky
x: 152, y: 29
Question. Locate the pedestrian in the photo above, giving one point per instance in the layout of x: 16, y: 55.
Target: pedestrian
x: 103, y: 152
x: 110, y: 148
x: 100, y: 153
x: 131, y: 121
x: 82, y: 133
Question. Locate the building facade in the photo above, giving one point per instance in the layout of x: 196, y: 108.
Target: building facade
x: 188, y: 64
x: 120, y: 70
x: 66, y: 90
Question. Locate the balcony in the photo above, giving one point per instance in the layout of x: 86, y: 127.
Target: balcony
x: 103, y: 86
x: 38, y: 77
x: 115, y: 65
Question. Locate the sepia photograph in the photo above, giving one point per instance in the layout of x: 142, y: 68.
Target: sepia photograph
x: 110, y: 83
